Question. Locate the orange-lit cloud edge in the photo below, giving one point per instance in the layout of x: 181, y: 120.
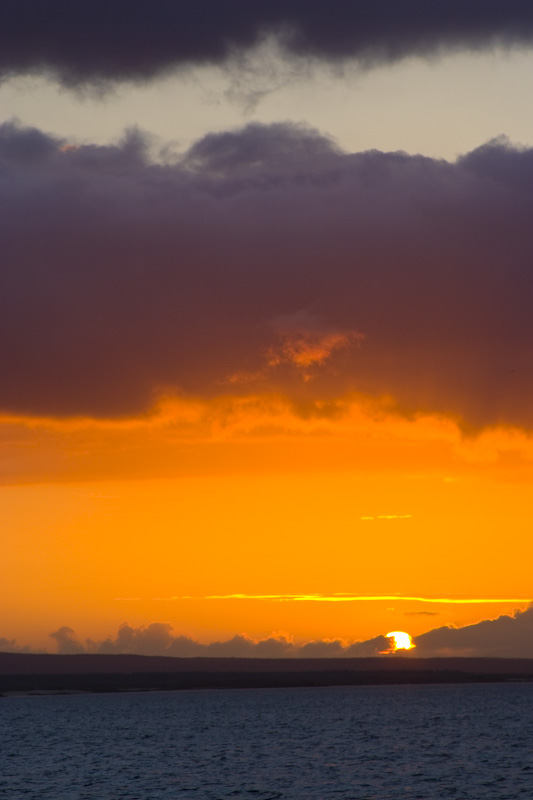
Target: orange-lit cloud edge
x: 77, y: 447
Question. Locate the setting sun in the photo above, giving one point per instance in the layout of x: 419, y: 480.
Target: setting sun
x: 402, y: 641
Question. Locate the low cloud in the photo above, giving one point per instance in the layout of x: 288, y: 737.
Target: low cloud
x: 143, y: 40
x: 503, y: 637
x: 11, y: 646
x: 322, y: 648
x: 66, y: 641
x: 158, y: 639
x: 508, y: 636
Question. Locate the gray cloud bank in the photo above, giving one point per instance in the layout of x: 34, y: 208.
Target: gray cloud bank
x: 121, y: 276
x: 11, y: 646
x: 508, y: 636
x: 134, y: 40
x: 494, y: 638
x: 157, y: 639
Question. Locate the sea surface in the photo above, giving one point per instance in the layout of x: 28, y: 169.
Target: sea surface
x: 364, y: 742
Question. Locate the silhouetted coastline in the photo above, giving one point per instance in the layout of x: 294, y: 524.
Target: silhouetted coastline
x: 47, y: 673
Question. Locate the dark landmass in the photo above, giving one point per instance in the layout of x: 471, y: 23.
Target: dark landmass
x: 25, y: 672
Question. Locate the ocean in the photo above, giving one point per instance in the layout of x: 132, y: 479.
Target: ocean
x: 364, y: 742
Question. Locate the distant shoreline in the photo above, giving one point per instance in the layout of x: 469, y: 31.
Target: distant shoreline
x: 25, y: 673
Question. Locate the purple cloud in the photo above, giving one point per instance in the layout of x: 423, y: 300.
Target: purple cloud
x: 122, y: 278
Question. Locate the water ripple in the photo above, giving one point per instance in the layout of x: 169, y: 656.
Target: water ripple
x: 365, y: 743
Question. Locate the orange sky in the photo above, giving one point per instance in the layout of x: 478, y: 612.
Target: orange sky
x: 164, y: 517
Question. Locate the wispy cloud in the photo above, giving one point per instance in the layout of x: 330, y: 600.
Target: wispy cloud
x: 305, y: 341
x: 351, y: 598
x: 421, y: 613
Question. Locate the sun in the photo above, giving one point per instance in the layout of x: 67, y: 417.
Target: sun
x: 401, y: 641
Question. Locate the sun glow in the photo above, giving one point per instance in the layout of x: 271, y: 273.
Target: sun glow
x: 401, y: 641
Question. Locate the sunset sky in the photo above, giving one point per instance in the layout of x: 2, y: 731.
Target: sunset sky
x: 266, y: 348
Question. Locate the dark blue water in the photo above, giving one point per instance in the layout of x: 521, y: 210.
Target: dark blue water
x: 392, y: 742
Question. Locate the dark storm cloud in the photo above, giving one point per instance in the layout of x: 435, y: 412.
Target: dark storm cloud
x: 122, y: 278
x: 136, y: 40
x: 506, y: 636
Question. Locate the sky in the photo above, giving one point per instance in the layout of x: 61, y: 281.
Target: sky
x: 266, y: 341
